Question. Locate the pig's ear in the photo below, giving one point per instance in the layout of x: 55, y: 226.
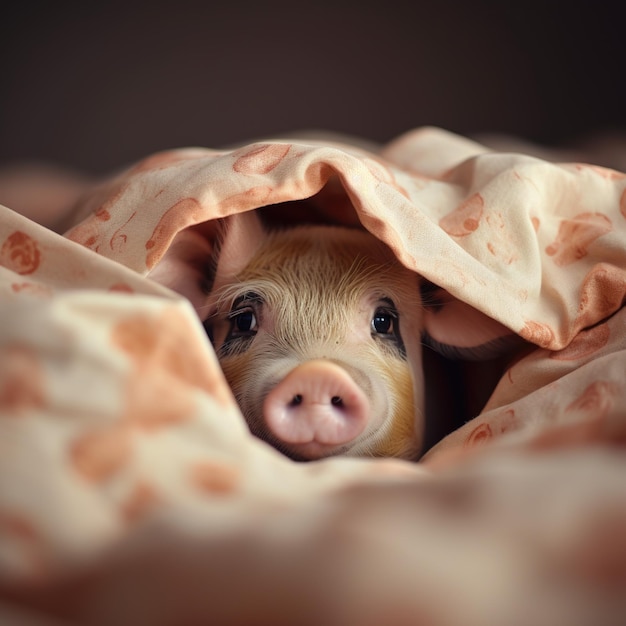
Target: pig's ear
x: 183, y: 267
x: 239, y: 238
x: 458, y: 331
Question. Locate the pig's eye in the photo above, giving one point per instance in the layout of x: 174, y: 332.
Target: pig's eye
x: 244, y: 322
x: 384, y: 321
x: 243, y: 318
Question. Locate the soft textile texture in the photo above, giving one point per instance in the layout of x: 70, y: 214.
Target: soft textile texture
x: 132, y: 492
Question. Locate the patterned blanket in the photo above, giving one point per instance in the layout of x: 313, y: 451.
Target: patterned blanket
x: 131, y: 491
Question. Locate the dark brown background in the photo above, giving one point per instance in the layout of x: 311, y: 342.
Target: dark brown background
x: 95, y: 85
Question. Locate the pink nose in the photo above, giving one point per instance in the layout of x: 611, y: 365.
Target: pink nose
x: 317, y: 402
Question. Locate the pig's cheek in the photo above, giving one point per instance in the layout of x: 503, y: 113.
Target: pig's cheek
x: 402, y: 438
x: 250, y: 375
x: 391, y: 431
x: 378, y: 395
x: 367, y: 368
x: 240, y: 373
x: 389, y: 376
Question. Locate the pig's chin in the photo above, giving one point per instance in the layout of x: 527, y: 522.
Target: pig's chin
x: 311, y: 451
x: 302, y: 451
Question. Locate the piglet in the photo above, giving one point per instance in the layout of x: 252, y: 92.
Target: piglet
x: 317, y: 330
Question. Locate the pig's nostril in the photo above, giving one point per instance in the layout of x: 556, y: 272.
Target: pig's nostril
x: 296, y: 400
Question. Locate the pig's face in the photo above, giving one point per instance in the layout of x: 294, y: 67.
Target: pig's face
x: 318, y: 335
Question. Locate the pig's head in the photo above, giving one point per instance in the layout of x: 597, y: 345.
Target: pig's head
x: 318, y: 332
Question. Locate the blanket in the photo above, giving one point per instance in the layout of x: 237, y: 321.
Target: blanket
x: 131, y: 491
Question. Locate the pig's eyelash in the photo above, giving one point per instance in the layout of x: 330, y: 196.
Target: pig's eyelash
x: 235, y: 313
x: 231, y: 296
x: 247, y: 300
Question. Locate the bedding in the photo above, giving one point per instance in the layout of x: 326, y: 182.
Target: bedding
x: 131, y: 491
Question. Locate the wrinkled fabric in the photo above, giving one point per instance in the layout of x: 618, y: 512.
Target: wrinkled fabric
x: 132, y: 492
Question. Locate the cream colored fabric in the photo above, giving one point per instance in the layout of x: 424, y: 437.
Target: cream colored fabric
x: 132, y: 493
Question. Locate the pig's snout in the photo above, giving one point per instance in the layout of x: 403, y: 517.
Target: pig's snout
x: 317, y: 403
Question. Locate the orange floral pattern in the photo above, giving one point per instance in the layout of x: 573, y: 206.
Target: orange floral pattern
x: 20, y: 253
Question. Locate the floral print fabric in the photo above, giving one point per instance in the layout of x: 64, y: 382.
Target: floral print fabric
x: 132, y: 492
